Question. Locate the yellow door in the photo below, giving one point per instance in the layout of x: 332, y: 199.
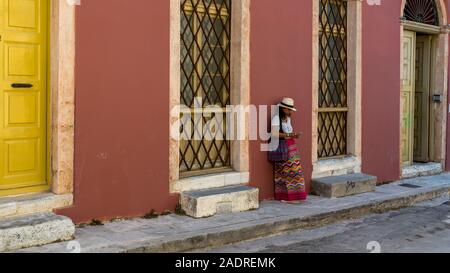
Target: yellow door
x: 407, y: 96
x: 422, y: 99
x: 23, y: 98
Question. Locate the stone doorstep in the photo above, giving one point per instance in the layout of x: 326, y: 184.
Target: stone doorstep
x: 34, y: 230
x: 421, y: 169
x: 343, y: 185
x: 206, y: 203
x: 31, y: 204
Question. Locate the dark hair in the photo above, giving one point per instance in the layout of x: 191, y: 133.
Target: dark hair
x: 282, y: 115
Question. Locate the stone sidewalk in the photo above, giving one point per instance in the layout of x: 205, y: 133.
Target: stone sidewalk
x: 173, y: 233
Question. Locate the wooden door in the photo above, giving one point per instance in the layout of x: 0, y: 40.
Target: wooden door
x: 407, y: 96
x: 23, y: 98
x: 422, y: 99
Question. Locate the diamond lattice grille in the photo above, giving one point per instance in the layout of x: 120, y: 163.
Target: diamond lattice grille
x: 205, y: 82
x: 333, y: 108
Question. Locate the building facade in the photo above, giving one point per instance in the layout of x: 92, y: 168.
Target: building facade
x: 90, y: 89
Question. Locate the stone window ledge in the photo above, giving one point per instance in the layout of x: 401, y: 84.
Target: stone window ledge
x: 210, y: 181
x: 336, y: 166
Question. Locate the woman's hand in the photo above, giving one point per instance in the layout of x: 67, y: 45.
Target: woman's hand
x: 297, y: 135
x: 293, y: 135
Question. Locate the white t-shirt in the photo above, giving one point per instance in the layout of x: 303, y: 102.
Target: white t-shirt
x: 286, y: 125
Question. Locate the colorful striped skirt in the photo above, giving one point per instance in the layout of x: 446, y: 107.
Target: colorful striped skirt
x: 289, y: 181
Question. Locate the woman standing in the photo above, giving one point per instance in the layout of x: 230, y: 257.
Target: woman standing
x: 289, y: 181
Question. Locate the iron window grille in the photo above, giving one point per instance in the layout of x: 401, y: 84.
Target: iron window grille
x: 205, y: 74
x: 333, y: 108
x: 422, y: 11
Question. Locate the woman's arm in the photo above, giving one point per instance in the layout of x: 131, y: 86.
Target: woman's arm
x: 277, y: 134
x: 276, y: 129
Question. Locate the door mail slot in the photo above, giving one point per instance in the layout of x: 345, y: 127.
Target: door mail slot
x: 21, y: 85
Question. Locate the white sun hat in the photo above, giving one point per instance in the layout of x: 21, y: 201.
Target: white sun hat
x: 288, y: 103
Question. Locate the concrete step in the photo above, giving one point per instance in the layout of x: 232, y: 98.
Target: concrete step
x: 343, y: 185
x: 206, y: 203
x: 34, y: 230
x: 32, y: 203
x: 421, y: 169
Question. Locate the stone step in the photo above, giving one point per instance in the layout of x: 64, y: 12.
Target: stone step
x: 206, y: 203
x: 344, y: 185
x: 33, y: 203
x: 421, y: 169
x: 34, y: 230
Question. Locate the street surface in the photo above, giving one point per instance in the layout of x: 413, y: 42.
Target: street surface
x: 422, y: 228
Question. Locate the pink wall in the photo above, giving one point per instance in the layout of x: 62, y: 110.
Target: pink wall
x: 281, y: 61
x: 381, y: 79
x: 122, y: 98
x: 380, y: 90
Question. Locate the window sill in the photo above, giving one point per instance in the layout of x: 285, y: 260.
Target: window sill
x: 336, y: 166
x: 210, y: 181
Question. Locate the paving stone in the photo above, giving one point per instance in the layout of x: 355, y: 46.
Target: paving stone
x: 272, y: 218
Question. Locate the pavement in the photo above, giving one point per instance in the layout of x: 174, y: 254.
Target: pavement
x: 174, y: 233
x: 423, y: 228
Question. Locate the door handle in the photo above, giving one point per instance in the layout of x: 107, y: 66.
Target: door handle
x: 21, y: 85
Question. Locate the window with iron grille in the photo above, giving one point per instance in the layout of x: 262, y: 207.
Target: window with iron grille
x: 422, y: 11
x: 205, y: 81
x: 333, y: 107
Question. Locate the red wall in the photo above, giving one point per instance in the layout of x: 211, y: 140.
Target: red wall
x: 380, y: 90
x: 381, y: 79
x: 122, y: 98
x: 281, y: 61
